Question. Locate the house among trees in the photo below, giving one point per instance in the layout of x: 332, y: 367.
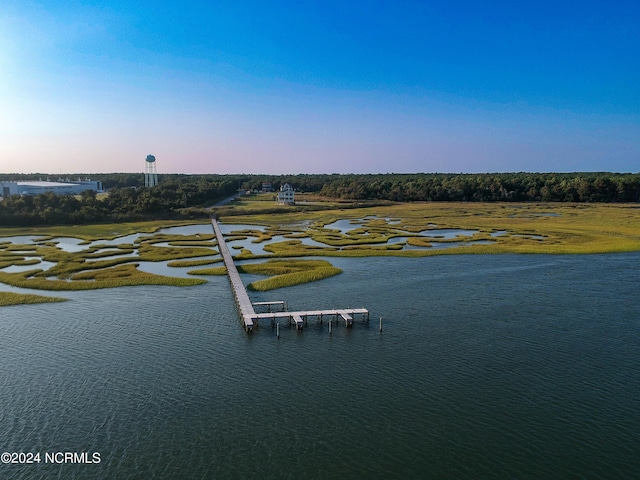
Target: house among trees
x: 286, y: 195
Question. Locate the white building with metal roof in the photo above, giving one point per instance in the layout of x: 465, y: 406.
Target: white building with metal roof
x: 59, y: 187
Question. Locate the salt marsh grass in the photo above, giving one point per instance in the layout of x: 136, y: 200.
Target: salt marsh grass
x: 10, y: 298
x: 94, y: 267
x: 209, y: 271
x: 565, y: 228
x: 497, y: 228
x: 286, y: 273
x: 118, y: 276
x: 193, y: 263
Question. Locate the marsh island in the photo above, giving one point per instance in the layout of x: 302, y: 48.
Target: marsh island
x: 277, y: 245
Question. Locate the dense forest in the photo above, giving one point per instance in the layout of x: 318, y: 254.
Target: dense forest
x: 499, y: 187
x: 184, y: 196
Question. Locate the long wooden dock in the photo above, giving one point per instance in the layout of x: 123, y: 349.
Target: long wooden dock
x: 249, y: 316
x: 239, y: 292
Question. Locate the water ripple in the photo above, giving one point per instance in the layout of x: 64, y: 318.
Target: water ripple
x: 502, y: 366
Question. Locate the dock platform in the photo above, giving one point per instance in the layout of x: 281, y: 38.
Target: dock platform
x: 300, y: 318
x: 248, y: 314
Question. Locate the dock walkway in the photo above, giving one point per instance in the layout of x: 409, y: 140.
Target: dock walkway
x: 242, y: 298
x: 300, y: 318
x: 249, y: 316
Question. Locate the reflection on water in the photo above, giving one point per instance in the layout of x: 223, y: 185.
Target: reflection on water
x: 69, y: 244
x: 499, y: 366
x: 343, y: 225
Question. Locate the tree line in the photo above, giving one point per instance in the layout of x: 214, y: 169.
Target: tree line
x: 486, y: 187
x: 502, y: 187
x: 185, y: 196
x: 175, y: 197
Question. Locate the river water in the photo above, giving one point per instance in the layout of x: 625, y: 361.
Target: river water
x: 504, y: 366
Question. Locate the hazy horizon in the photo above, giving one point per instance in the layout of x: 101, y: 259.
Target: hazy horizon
x: 355, y: 87
x: 56, y: 176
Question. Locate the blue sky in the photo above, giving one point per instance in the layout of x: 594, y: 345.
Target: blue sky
x: 319, y: 86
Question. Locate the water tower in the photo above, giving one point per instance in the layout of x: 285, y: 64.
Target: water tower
x: 150, y: 174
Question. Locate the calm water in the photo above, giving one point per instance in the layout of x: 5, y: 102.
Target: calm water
x: 488, y: 367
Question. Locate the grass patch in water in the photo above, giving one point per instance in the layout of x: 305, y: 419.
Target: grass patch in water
x: 386, y: 248
x: 19, y: 248
x: 194, y: 263
x: 118, y: 276
x: 286, y: 273
x: 191, y: 243
x: 424, y: 242
x: 260, y: 236
x: 197, y: 239
x: 130, y: 275
x: 151, y: 253
x: 17, y: 261
x: 10, y: 298
x: 112, y: 252
x: 295, y: 248
x: 209, y: 271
